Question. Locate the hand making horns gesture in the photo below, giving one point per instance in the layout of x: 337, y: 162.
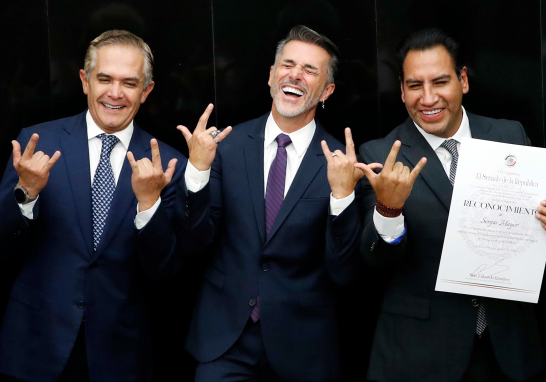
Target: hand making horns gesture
x: 148, y: 178
x: 393, y: 184
x: 203, y: 142
x: 33, y: 168
x: 343, y: 175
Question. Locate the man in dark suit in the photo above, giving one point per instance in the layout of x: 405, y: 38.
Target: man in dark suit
x: 281, y: 215
x: 91, y: 227
x: 424, y: 335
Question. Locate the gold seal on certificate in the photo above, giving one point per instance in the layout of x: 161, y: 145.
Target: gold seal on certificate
x: 494, y: 246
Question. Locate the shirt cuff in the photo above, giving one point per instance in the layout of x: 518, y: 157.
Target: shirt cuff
x: 337, y: 206
x: 390, y: 229
x: 195, y: 180
x: 142, y: 218
x: 28, y: 209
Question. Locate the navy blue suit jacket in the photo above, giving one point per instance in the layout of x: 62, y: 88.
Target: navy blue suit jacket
x: 293, y: 272
x: 424, y: 335
x: 62, y: 277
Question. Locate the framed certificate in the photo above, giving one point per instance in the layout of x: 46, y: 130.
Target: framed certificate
x: 494, y: 245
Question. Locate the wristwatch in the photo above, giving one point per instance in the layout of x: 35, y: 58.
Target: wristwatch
x: 21, y: 195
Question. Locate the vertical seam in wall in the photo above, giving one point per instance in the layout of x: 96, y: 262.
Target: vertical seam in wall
x: 377, y: 70
x: 214, y: 62
x: 49, y: 58
x: 542, y: 72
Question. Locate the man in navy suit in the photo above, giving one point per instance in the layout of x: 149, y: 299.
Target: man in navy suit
x: 280, y: 214
x: 422, y: 334
x: 91, y: 227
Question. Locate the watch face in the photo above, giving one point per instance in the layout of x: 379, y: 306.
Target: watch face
x: 20, y: 195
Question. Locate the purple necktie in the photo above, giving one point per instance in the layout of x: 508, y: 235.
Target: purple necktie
x: 274, y: 196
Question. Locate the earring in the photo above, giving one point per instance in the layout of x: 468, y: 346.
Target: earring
x: 323, y: 103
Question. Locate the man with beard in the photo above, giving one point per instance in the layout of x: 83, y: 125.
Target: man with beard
x: 281, y: 215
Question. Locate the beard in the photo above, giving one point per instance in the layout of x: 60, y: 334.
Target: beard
x: 308, y: 104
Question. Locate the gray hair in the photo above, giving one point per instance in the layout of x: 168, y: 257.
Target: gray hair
x: 305, y: 34
x: 120, y: 38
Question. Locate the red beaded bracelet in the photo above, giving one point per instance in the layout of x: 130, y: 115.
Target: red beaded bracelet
x: 388, y: 212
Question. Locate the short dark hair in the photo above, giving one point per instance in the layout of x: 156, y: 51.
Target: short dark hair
x: 305, y: 34
x: 429, y: 39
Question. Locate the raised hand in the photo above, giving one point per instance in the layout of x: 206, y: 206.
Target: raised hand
x: 33, y: 168
x: 148, y: 178
x: 343, y: 175
x: 393, y: 184
x: 201, y: 143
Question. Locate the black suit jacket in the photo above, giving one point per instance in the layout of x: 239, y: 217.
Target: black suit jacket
x: 424, y: 335
x: 62, y: 277
x: 293, y: 272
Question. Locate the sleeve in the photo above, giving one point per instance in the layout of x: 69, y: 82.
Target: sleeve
x: 337, y: 206
x: 390, y: 229
x: 195, y: 180
x: 142, y: 218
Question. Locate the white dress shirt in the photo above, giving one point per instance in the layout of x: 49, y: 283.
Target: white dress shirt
x: 392, y: 228
x: 301, y: 139
x: 117, y: 157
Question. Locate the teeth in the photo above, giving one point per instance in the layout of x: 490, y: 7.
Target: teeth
x: 112, y: 107
x: 432, y: 112
x: 287, y: 89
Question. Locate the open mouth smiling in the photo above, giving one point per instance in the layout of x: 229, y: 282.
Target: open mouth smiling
x: 431, y: 113
x: 112, y: 107
x: 292, y: 92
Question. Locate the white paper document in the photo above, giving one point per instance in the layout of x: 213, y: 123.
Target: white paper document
x: 494, y: 245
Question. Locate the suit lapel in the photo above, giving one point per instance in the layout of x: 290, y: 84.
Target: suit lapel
x: 310, y: 165
x: 75, y: 153
x: 254, y: 158
x: 124, y: 197
x: 414, y: 147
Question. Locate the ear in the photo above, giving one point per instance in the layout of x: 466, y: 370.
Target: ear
x: 327, y: 92
x: 147, y: 91
x: 85, y: 83
x: 402, y: 90
x: 270, y: 75
x: 464, y: 80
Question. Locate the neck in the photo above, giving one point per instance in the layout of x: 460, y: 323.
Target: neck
x: 291, y: 124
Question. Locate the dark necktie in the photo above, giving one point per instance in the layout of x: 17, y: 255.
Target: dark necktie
x: 274, y: 196
x: 451, y: 146
x: 104, y: 185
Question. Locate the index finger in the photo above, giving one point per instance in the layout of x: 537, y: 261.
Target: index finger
x: 349, y: 144
x: 391, y: 159
x: 326, y: 151
x: 202, y: 124
x: 29, y: 150
x: 156, y: 157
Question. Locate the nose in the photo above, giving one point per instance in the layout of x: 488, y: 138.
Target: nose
x: 429, y: 97
x: 296, y: 73
x: 115, y: 91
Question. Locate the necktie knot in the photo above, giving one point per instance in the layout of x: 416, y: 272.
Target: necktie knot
x: 108, y: 143
x: 451, y: 146
x: 283, y: 140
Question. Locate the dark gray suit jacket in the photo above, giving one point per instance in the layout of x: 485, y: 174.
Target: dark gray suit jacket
x: 424, y: 335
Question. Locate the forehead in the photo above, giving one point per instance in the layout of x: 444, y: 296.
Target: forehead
x: 122, y: 60
x: 305, y: 54
x: 425, y: 64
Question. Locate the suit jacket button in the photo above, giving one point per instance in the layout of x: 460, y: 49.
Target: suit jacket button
x: 475, y: 302
x: 373, y: 246
x: 81, y: 304
x: 252, y: 301
x: 17, y: 233
x: 264, y: 267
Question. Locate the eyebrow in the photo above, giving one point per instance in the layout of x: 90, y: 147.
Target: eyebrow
x: 307, y: 66
x: 125, y: 79
x: 440, y: 77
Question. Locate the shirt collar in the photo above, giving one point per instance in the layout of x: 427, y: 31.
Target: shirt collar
x: 93, y: 130
x: 301, y: 139
x: 435, y: 141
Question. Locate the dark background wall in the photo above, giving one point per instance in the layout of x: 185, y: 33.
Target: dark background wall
x: 220, y: 52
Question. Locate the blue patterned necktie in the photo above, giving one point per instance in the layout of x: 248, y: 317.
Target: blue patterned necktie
x: 451, y: 146
x: 274, y: 196
x: 104, y: 185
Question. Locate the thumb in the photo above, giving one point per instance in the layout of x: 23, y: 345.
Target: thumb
x: 185, y: 132
x: 368, y: 171
x: 170, y: 170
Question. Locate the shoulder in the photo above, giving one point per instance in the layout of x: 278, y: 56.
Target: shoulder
x: 166, y: 150
x: 510, y: 131
x: 241, y: 132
